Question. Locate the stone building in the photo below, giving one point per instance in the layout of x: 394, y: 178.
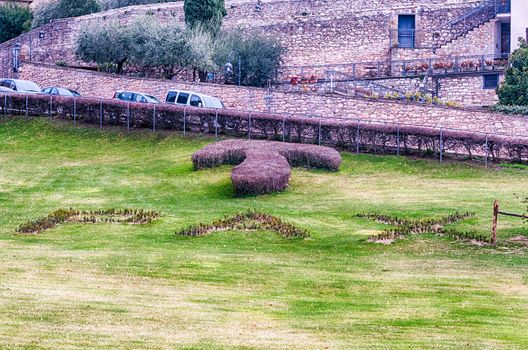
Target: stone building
x: 455, y: 50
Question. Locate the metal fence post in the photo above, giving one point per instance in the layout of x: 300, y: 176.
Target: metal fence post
x: 283, y: 128
x: 154, y: 119
x: 216, y: 125
x: 26, y: 105
x: 128, y: 116
x: 5, y: 104
x: 100, y: 114
x: 441, y: 145
x: 487, y: 150
x: 319, y: 131
x: 357, y: 137
x: 184, y: 117
x: 50, y: 106
x: 398, y: 140
x: 249, y: 126
x: 74, y: 111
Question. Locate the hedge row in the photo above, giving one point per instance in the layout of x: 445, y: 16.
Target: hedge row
x: 264, y: 166
x: 342, y: 133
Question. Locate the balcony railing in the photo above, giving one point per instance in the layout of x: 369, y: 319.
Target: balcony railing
x: 398, y: 69
x: 502, y: 6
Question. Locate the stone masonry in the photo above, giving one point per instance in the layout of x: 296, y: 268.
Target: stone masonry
x: 103, y: 85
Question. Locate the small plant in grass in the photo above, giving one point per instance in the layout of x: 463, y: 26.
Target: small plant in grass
x: 249, y: 221
x: 404, y: 227
x: 60, y: 216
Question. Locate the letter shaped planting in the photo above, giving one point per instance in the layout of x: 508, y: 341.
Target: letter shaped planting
x: 264, y: 166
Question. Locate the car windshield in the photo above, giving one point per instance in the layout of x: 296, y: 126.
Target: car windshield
x: 212, y: 102
x: 27, y: 86
x: 152, y: 99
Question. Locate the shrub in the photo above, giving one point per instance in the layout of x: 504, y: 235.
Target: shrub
x: 514, y: 91
x: 14, y: 20
x: 263, y: 166
x: 63, y: 9
x: 250, y: 220
x: 348, y: 134
x: 511, y: 109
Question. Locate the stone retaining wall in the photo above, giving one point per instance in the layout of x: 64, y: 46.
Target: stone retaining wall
x: 103, y: 85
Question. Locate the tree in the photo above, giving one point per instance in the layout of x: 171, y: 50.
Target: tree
x: 64, y: 9
x: 158, y: 45
x: 260, y: 56
x: 107, y: 44
x: 207, y: 14
x: 14, y: 20
x: 514, y: 91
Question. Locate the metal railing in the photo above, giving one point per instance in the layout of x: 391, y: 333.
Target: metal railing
x: 437, y: 37
x: 309, y: 74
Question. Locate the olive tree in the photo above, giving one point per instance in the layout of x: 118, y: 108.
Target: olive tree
x: 108, y: 44
x: 260, y: 56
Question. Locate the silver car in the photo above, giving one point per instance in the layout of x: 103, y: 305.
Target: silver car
x: 22, y: 86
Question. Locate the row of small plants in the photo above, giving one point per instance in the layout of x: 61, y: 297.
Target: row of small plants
x: 60, y: 216
x: 404, y: 227
x: 450, y: 65
x: 247, y: 221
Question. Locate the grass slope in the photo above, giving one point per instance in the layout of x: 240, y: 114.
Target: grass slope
x: 129, y: 287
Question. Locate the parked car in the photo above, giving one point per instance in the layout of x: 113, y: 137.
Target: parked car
x: 23, y: 86
x: 193, y: 99
x: 132, y: 96
x: 58, y: 91
x: 5, y: 89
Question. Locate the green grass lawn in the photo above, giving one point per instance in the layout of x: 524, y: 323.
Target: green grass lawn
x: 115, y: 286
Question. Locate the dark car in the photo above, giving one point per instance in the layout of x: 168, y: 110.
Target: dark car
x: 58, y: 91
x: 132, y: 96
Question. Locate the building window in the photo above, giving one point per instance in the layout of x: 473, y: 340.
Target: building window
x: 491, y: 81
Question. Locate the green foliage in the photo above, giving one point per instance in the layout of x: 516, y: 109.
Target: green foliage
x: 14, y: 20
x: 112, y: 4
x: 511, y: 109
x: 514, y: 91
x: 147, y: 44
x: 64, y: 9
x: 260, y: 56
x: 107, y: 44
x: 207, y: 14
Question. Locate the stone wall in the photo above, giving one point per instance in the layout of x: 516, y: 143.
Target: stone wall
x: 467, y: 90
x: 103, y: 85
x: 312, y: 31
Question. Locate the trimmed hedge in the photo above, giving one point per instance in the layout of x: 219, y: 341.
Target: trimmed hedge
x: 264, y: 166
x: 341, y: 133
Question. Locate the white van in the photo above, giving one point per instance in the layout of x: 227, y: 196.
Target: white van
x: 193, y: 99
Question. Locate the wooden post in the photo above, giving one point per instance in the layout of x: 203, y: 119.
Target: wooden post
x: 495, y: 218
